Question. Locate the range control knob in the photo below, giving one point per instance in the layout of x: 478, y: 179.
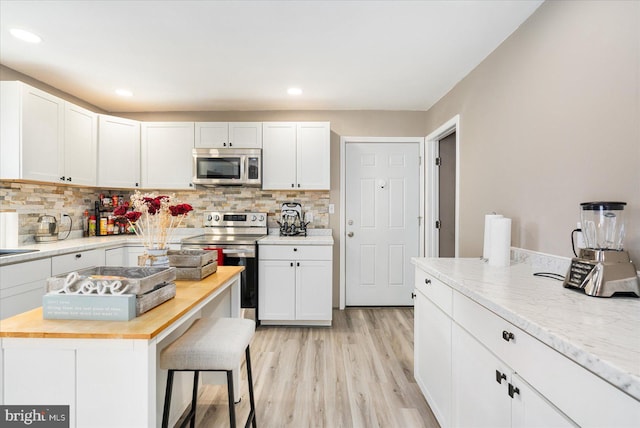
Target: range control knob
x: 209, y: 217
x: 217, y: 217
x: 261, y: 217
x: 254, y: 218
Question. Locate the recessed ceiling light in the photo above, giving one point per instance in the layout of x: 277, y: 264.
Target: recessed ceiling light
x: 294, y: 91
x: 124, y: 92
x: 25, y: 35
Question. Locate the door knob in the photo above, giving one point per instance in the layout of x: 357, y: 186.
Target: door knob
x: 350, y: 234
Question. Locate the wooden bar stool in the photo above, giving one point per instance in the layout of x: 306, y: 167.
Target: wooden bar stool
x: 213, y: 344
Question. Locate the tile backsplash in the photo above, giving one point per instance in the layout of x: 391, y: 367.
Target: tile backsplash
x: 31, y: 200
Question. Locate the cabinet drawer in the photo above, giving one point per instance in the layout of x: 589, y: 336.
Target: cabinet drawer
x: 74, y: 261
x: 435, y: 290
x: 24, y: 273
x: 295, y: 252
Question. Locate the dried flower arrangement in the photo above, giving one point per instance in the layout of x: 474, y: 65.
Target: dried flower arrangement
x: 154, y: 218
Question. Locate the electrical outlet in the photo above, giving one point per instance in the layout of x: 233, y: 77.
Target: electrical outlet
x: 332, y: 209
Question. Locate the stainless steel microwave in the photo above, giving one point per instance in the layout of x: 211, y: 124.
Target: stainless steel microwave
x: 227, y: 167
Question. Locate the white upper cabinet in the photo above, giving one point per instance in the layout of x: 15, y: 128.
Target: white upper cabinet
x: 118, y: 152
x: 236, y: 135
x: 313, y: 155
x: 296, y: 155
x: 278, y: 155
x: 32, y: 133
x: 80, y: 145
x: 45, y: 138
x: 167, y: 159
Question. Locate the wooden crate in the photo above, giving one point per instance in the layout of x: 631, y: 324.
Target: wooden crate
x: 193, y: 273
x: 146, y: 302
x: 191, y: 258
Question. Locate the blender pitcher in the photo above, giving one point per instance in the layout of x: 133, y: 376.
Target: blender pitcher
x: 603, y: 225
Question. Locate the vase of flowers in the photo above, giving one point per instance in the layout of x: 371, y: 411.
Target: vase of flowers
x: 154, y: 218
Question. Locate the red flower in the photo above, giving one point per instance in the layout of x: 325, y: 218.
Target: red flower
x: 180, y: 209
x: 120, y: 211
x: 153, y: 204
x: 133, y: 216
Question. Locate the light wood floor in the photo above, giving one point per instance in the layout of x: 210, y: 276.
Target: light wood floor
x: 359, y: 373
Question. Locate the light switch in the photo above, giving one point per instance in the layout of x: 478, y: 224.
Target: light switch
x: 332, y: 209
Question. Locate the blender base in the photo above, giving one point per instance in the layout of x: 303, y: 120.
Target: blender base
x: 603, y: 273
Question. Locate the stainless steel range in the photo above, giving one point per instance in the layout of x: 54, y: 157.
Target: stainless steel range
x: 237, y: 235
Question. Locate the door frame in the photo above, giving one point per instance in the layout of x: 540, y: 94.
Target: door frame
x: 343, y: 150
x: 431, y: 214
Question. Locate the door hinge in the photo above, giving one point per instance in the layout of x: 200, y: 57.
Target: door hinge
x: 438, y: 161
x: 419, y: 160
x: 438, y: 224
x: 419, y: 220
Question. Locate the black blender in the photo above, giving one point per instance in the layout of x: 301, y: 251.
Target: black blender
x: 603, y: 268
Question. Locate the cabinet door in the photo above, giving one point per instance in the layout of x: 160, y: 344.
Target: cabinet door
x: 531, y: 410
x: 313, y: 290
x: 116, y: 257
x: 80, y: 145
x: 278, y: 155
x: 22, y: 286
x: 245, y: 135
x: 42, y: 135
x: 118, y: 152
x: 276, y: 290
x: 213, y: 135
x: 313, y: 155
x: 479, y: 400
x: 167, y: 155
x: 432, y: 356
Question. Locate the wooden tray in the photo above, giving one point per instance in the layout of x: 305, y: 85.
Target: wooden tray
x: 191, y: 258
x: 193, y: 273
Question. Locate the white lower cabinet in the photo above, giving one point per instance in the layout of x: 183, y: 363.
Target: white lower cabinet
x: 432, y: 346
x: 75, y: 261
x: 295, y: 284
x: 116, y: 257
x: 22, y: 286
x: 476, y: 369
x: 488, y: 393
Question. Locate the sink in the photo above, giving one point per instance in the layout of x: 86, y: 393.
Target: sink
x: 13, y: 252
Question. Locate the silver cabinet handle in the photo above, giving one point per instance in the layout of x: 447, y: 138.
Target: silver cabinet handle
x: 350, y: 234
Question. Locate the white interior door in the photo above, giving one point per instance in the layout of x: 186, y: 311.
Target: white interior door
x: 382, y: 212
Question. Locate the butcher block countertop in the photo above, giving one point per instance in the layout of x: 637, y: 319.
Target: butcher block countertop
x: 30, y: 324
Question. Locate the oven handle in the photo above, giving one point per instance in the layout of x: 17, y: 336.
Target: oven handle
x: 241, y: 253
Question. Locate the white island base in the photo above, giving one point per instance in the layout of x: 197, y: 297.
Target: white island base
x: 107, y: 372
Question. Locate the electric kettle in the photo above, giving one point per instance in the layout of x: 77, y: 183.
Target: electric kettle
x: 47, y: 230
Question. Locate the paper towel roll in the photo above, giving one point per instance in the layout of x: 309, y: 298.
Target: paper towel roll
x: 486, y: 250
x: 8, y: 229
x: 500, y: 242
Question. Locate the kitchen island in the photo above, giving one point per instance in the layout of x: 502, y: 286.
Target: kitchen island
x: 498, y: 346
x: 107, y: 371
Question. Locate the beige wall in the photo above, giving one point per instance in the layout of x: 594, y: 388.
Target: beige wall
x: 551, y: 119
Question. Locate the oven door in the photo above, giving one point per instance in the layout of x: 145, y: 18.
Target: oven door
x: 238, y: 255
x: 249, y: 281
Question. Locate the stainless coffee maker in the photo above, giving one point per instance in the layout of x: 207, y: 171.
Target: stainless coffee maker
x: 603, y: 268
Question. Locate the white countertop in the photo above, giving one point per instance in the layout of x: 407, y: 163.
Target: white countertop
x: 600, y: 334
x: 66, y: 246
x: 314, y: 237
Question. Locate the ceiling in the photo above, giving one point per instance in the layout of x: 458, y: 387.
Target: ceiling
x: 243, y: 55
